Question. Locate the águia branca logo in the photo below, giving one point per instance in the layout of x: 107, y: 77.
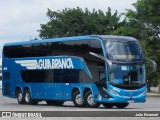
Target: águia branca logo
x: 56, y: 63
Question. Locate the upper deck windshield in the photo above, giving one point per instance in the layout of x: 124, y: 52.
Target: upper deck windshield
x: 124, y: 50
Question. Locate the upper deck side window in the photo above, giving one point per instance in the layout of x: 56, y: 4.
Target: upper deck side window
x: 67, y: 48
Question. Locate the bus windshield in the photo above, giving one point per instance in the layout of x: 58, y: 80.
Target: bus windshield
x: 123, y: 51
x: 127, y: 75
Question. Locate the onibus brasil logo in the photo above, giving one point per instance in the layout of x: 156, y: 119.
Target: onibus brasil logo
x: 56, y: 63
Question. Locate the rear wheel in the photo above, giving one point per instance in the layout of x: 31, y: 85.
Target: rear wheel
x: 89, y: 102
x: 121, y: 105
x: 77, y: 100
x: 54, y: 102
x: 19, y: 96
x: 108, y: 105
x: 28, y: 99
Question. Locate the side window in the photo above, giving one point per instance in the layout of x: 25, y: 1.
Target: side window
x: 95, y: 64
x: 71, y: 76
x: 59, y: 48
x: 48, y: 76
x: 20, y: 51
x: 58, y: 76
x: 95, y: 46
x: 37, y: 76
x: 66, y: 76
x: 9, y: 51
x: 70, y: 48
x: 78, y: 48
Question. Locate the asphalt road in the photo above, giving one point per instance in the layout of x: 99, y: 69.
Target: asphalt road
x: 9, y: 104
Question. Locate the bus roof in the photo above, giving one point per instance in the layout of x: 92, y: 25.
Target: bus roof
x: 103, y: 37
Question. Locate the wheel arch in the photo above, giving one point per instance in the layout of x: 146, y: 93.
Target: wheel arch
x: 28, y: 87
x: 86, y: 90
x: 74, y: 90
x: 18, y: 88
x: 90, y: 102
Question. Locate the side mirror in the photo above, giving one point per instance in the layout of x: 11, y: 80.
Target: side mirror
x: 153, y: 64
x: 102, y: 58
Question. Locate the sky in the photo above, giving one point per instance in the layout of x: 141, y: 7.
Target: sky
x: 20, y: 19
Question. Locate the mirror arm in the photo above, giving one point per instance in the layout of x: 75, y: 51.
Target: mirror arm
x: 154, y: 65
x: 102, y: 58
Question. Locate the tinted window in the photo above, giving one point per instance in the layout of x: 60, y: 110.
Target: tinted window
x: 66, y: 76
x: 49, y: 76
x: 36, y: 76
x: 123, y: 51
x: 70, y: 48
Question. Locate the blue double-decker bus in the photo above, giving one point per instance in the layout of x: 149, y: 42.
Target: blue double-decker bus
x: 88, y: 70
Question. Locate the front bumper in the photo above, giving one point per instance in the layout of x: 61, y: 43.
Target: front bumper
x: 123, y: 96
x: 122, y: 99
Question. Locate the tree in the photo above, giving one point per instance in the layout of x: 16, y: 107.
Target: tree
x: 143, y: 23
x: 73, y: 22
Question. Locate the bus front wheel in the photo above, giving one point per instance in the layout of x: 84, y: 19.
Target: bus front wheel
x: 89, y: 102
x: 108, y: 105
x: 121, y: 105
x: 19, y: 96
x: 28, y: 99
x: 77, y: 100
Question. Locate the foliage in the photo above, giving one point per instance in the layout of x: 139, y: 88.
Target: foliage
x: 74, y: 22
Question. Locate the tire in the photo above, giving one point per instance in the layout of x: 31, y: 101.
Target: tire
x: 108, y: 105
x: 54, y: 102
x: 27, y: 98
x: 77, y: 100
x: 121, y: 105
x: 20, y: 97
x: 88, y: 99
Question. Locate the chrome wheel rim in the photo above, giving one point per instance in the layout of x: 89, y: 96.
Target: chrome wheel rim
x: 19, y: 97
x: 90, y: 100
x: 27, y: 97
x: 79, y: 100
